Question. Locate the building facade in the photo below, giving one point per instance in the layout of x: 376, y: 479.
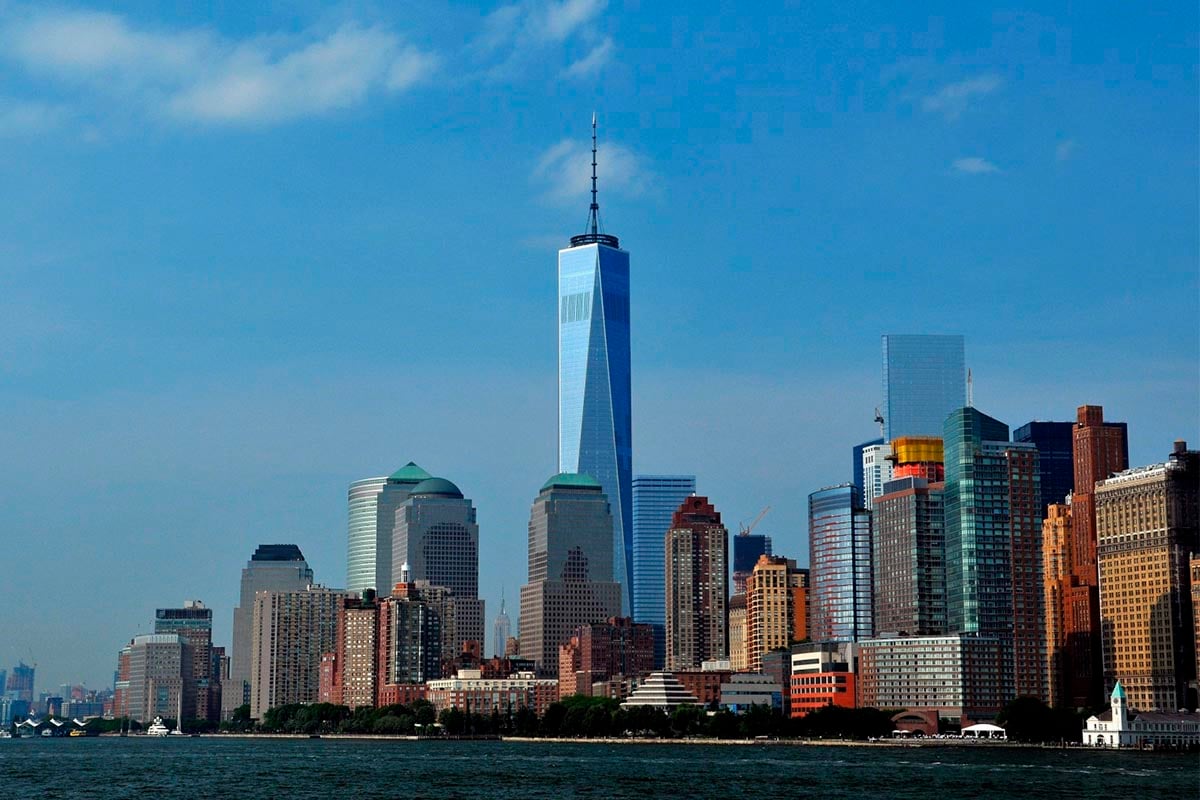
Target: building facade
x: 1121, y: 726
x: 747, y: 548
x: 1056, y: 457
x: 501, y: 630
x: 469, y: 691
x: 389, y: 497
x: 193, y: 622
x: 966, y: 678
x: 993, y: 528
x: 821, y: 675
x: 570, y: 567
x: 770, y: 611
x: 697, y: 585
x: 1147, y: 526
x: 599, y: 653
x: 161, y: 682
x: 876, y: 470
x: 655, y: 498
x: 839, y: 547
x: 924, y: 379
x: 290, y: 632
x: 437, y: 539
x: 595, y: 408
x: 362, y: 539
x: 272, y: 567
x: 909, y: 559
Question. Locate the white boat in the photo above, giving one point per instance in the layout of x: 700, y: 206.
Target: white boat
x: 157, y: 728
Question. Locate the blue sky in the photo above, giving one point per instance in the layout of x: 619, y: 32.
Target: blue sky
x: 249, y: 253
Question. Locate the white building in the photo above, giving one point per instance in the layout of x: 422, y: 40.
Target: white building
x: 877, y: 471
x: 1120, y: 727
x: 746, y: 689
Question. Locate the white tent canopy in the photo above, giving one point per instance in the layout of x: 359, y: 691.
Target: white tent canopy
x: 984, y: 730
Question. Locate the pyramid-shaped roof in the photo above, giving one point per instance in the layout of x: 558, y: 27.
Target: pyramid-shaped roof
x: 409, y: 473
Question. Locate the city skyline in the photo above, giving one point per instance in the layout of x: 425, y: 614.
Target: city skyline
x: 181, y: 365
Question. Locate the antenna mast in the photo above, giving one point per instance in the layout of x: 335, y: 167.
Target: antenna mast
x: 970, y: 389
x: 595, y: 211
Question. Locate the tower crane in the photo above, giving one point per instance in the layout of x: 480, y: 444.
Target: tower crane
x: 745, y: 529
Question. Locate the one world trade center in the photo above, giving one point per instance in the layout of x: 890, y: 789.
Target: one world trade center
x: 594, y: 425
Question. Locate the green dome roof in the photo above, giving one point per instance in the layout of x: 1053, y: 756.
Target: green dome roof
x: 409, y: 473
x: 437, y: 486
x: 573, y: 480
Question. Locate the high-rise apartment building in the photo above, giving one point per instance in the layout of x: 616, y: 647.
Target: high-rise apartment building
x: 993, y: 532
x: 770, y: 611
x: 924, y: 379
x: 193, y: 622
x: 290, y: 632
x: 739, y: 655
x: 357, y: 651
x: 909, y: 559
x: 501, y: 630
x: 570, y: 567
x: 437, y: 537
x: 655, y: 498
x: 410, y: 638
x: 1073, y: 657
x: 857, y: 462
x: 272, y: 567
x: 839, y: 550
x: 161, y: 682
x: 877, y: 470
x: 1148, y: 525
x: 20, y: 682
x: 697, y: 585
x: 595, y: 430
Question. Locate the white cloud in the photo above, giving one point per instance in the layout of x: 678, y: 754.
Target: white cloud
x: 197, y: 75
x: 1064, y: 150
x: 24, y: 117
x: 952, y: 100
x: 565, y: 169
x: 593, y: 62
x: 557, y: 21
x: 974, y: 165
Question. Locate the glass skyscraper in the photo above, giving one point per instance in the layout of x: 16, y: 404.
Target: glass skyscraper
x: 924, y: 379
x: 655, y: 499
x: 595, y: 429
x: 839, y: 547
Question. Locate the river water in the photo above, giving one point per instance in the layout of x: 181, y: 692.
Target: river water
x: 214, y: 767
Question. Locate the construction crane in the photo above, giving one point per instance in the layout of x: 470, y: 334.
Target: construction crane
x: 879, y: 419
x: 744, y: 530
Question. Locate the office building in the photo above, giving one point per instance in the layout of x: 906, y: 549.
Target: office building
x: 857, y: 462
x: 437, y: 537
x: 655, y: 498
x: 993, y: 530
x: 290, y: 632
x: 747, y: 548
x: 272, y: 567
x: 697, y: 585
x: 924, y: 379
x: 1056, y: 459
x: 909, y: 559
x: 160, y: 682
x: 1057, y: 572
x: 193, y: 622
x: 821, y: 675
x: 839, y: 547
x: 595, y: 430
x: 876, y: 470
x: 746, y: 690
x: 964, y: 677
x: 372, y: 521
x: 501, y: 630
x: 1147, y: 527
x: 570, y: 567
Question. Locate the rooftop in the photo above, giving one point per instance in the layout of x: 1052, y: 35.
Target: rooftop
x: 572, y: 480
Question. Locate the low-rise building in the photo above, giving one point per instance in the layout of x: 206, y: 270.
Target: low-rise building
x: 821, y: 675
x: 470, y: 691
x: 748, y: 689
x: 1121, y: 727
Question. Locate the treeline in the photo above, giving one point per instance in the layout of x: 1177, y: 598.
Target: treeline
x: 574, y: 717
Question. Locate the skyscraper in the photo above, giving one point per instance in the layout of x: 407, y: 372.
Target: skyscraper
x: 1148, y: 524
x: 770, y: 609
x: 372, y: 520
x: 839, y: 550
x: 274, y: 567
x: 1055, y: 455
x: 697, y: 585
x: 160, y: 678
x: 857, y: 462
x: 595, y: 429
x: 193, y: 622
x: 747, y: 549
x: 1098, y: 450
x: 20, y: 682
x: 924, y: 379
x: 437, y: 537
x: 994, y: 541
x: 290, y: 632
x: 876, y: 471
x: 501, y: 630
x: 570, y: 567
x: 909, y: 559
x: 655, y: 499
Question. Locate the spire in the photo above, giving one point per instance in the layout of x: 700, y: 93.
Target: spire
x: 592, y: 234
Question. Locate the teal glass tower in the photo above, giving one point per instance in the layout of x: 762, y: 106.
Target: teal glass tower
x: 595, y: 428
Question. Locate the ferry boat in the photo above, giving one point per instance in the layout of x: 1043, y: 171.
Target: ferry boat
x: 157, y: 728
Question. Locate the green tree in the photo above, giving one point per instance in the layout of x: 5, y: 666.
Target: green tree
x: 454, y: 722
